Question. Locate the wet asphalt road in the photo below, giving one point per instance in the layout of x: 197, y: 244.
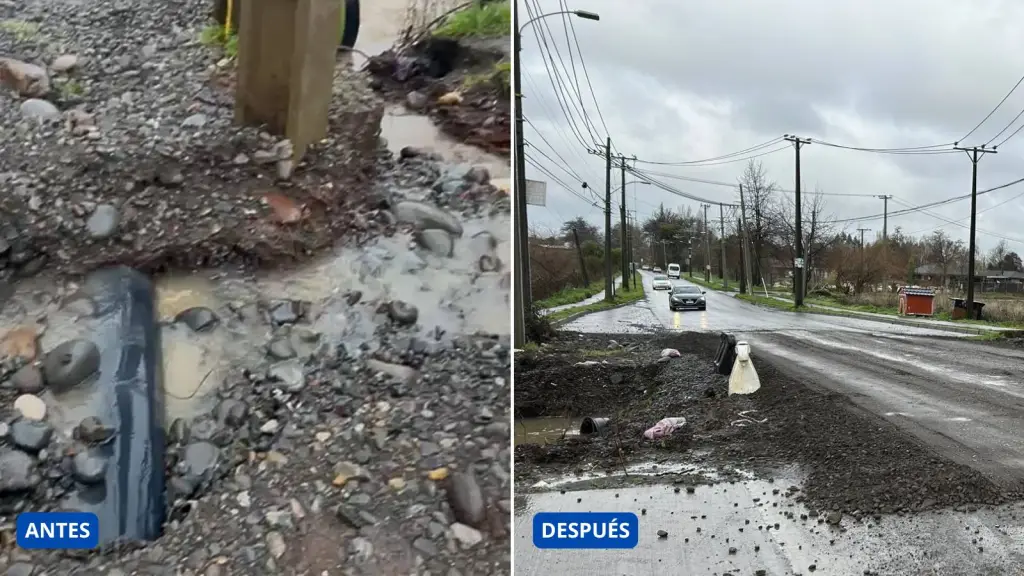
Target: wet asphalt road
x: 964, y: 399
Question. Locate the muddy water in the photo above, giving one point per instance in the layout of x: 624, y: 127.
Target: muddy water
x: 449, y: 293
x: 382, y: 22
x: 746, y: 527
x: 540, y: 430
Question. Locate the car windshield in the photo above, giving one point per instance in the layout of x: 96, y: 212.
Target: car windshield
x: 661, y: 277
x: 686, y: 290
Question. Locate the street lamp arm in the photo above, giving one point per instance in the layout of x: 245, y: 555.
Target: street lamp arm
x: 580, y: 13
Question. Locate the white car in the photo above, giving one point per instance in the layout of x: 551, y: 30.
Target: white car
x: 662, y: 283
x: 673, y: 271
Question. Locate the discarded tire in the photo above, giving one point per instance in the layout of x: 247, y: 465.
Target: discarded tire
x: 726, y: 355
x: 594, y: 427
x: 128, y: 496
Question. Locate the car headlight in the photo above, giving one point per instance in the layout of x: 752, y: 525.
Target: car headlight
x: 701, y: 298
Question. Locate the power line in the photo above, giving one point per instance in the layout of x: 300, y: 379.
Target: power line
x: 583, y: 64
x: 993, y: 207
x: 928, y: 205
x: 760, y: 146
x: 559, y: 181
x: 734, y: 184
x: 911, y: 150
x: 954, y: 222
x: 989, y: 115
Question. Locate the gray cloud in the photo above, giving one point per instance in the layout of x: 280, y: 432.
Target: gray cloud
x: 689, y: 80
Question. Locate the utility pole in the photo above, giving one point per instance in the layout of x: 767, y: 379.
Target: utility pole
x: 885, y: 216
x: 522, y: 256
x: 743, y: 243
x: 579, y: 254
x: 609, y: 285
x: 862, y: 231
x: 689, y: 255
x: 622, y: 220
x: 721, y: 219
x: 707, y: 245
x: 743, y: 258
x: 798, y: 265
x: 974, y: 154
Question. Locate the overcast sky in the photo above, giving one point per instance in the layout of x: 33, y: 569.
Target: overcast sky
x: 682, y: 80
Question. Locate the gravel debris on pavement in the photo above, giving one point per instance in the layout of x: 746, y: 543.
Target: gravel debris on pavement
x: 854, y: 463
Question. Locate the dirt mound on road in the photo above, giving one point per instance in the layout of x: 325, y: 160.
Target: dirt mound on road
x: 854, y: 462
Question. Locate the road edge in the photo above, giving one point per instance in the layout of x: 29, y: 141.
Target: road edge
x: 559, y: 323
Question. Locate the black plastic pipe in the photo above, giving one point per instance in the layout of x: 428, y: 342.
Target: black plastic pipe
x: 130, y: 501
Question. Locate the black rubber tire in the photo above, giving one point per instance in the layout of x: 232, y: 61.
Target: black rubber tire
x: 350, y: 33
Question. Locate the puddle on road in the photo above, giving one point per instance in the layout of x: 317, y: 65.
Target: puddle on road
x: 745, y: 527
x: 540, y: 430
x: 449, y: 293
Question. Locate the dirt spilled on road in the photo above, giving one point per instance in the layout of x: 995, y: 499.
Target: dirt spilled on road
x: 854, y: 462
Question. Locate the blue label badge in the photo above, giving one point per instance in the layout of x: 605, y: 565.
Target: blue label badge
x: 58, y: 530
x: 589, y: 530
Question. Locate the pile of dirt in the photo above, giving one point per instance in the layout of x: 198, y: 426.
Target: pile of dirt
x: 463, y: 85
x: 854, y: 461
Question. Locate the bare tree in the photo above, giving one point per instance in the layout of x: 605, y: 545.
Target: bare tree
x: 946, y: 254
x: 997, y: 255
x: 757, y: 190
x: 819, y: 230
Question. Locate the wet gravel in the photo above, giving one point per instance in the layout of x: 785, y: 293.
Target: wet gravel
x: 118, y: 144
x: 853, y: 463
x: 387, y: 455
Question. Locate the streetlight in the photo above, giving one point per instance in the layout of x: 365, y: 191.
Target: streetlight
x: 523, y: 295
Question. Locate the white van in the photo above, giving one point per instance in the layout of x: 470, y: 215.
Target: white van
x: 673, y: 271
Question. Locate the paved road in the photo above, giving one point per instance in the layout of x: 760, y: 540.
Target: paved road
x: 592, y: 300
x: 964, y: 398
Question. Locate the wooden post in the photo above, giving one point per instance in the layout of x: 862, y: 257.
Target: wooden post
x: 286, y: 60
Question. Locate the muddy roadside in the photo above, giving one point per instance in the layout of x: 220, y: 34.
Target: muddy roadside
x: 457, y: 71
x: 853, y: 462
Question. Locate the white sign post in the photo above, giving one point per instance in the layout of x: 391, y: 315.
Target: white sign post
x: 799, y: 263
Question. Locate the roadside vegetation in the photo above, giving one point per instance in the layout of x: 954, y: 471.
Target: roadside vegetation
x: 622, y: 297
x: 716, y: 283
x: 571, y: 295
x: 478, y: 20
x: 226, y: 40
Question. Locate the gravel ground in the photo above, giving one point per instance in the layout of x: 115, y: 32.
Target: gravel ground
x: 382, y: 456
x: 854, y: 463
x: 455, y: 83
x: 118, y: 145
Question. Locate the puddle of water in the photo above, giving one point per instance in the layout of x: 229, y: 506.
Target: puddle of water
x: 539, y: 430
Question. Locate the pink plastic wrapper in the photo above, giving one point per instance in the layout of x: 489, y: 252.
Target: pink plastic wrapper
x: 665, y: 427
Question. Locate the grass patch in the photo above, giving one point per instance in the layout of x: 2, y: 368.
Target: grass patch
x: 214, y: 35
x: 20, y: 29
x: 570, y: 296
x: 71, y: 88
x: 490, y: 20
x: 715, y: 283
x: 767, y: 301
x: 623, y: 296
x: 499, y: 76
x: 836, y: 303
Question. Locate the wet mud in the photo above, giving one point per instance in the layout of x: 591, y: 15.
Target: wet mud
x: 854, y: 462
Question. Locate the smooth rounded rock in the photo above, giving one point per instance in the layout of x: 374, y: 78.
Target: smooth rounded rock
x: 39, y: 109
x: 200, y: 460
x: 17, y: 472
x: 403, y: 313
x: 198, y: 318
x: 70, y: 364
x: 92, y: 430
x: 28, y: 380
x: 425, y: 217
x: 89, y: 467
x: 436, y: 241
x: 31, y: 435
x: 103, y: 221
x: 466, y: 499
x: 231, y: 412
x: 30, y: 406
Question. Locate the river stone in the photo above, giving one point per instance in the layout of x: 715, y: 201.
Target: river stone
x: 70, y: 364
x: 89, y: 467
x: 437, y: 241
x: 103, y: 221
x: 398, y: 371
x: 30, y: 406
x: 231, y: 412
x: 402, y: 313
x: 280, y: 348
x: 92, y: 430
x: 198, y: 318
x: 289, y: 373
x: 425, y: 217
x: 39, y: 109
x: 31, y: 435
x: 17, y: 471
x: 64, y: 62
x: 286, y: 312
x: 477, y: 175
x: 28, y: 380
x: 200, y: 461
x: 466, y: 499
